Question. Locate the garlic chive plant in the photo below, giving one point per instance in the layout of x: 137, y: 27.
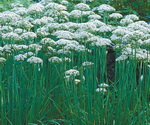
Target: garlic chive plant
x: 55, y: 65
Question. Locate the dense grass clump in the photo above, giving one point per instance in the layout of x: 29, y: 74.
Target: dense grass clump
x: 73, y: 65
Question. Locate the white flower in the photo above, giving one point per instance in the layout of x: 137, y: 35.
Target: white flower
x: 55, y: 59
x: 63, y: 42
x: 115, y: 15
x: 132, y: 17
x: 64, y: 2
x: 97, y: 23
x: 141, y: 26
x: 93, y: 39
x: 43, y: 21
x: 66, y: 59
x: 28, y: 36
x: 19, y: 31
x: 47, y: 41
x: 28, y: 54
x: 77, y: 81
x: 116, y: 38
x: 55, y: 6
x: 75, y: 14
x: 121, y: 31
x: 87, y: 63
x: 20, y: 11
x: 11, y: 36
x: 81, y: 48
x: 7, y: 48
x: 82, y: 7
x: 1, y: 49
x: 45, y: 2
x: 105, y: 28
x: 52, y: 13
x: 29, y: 18
x: 103, y: 85
x: 42, y: 32
x: 35, y: 47
x: 70, y: 46
x: 8, y: 16
x: 20, y: 57
x: 122, y: 58
x: 22, y: 47
x: 6, y: 29
x: 56, y: 26
x: 72, y: 72
x: 25, y: 24
x: 2, y: 59
x: 84, y: 1
x: 16, y: 4
x: 143, y: 23
x: 139, y: 54
x: 51, y: 50
x: 87, y: 13
x: 105, y: 8
x: 147, y: 42
x: 65, y: 52
x: 94, y: 17
x: 82, y: 35
x: 127, y: 51
x: 35, y: 60
x: 103, y: 90
x: 133, y: 37
x: 126, y: 21
x: 35, y: 8
x: 61, y: 34
x: 89, y: 26
x: 101, y: 42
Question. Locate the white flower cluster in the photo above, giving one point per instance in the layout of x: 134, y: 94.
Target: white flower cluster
x: 2, y: 59
x: 102, y: 88
x: 82, y: 7
x: 43, y: 21
x: 55, y: 59
x: 28, y: 36
x: 75, y: 14
x: 35, y: 8
x: 61, y: 34
x: 129, y: 19
x: 138, y: 54
x: 20, y: 57
x: 25, y: 24
x: 22, y: 11
x: 71, y: 72
x: 94, y: 17
x: 132, y: 17
x: 104, y: 29
x: 105, y: 8
x: 115, y: 16
x: 55, y: 6
x: 35, y: 60
x: 87, y: 63
x: 47, y: 42
x: 101, y: 42
x: 7, y: 17
x: 51, y: 30
x: 11, y: 36
x: 86, y: 1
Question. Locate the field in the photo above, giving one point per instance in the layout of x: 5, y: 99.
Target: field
x: 73, y: 64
